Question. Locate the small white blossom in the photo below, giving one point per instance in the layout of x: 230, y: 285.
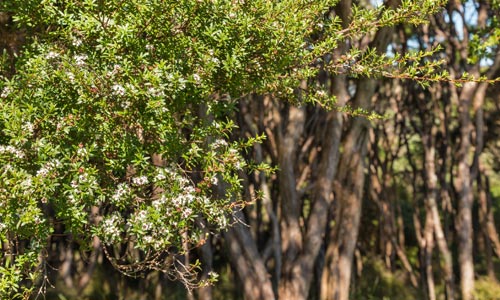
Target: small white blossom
x: 196, y: 77
x: 222, y: 221
x: 126, y: 104
x: 219, y: 143
x: 156, y: 92
x: 117, y: 67
x: 27, y: 183
x: 51, y: 55
x: 148, y: 239
x: 83, y: 178
x: 72, y: 199
x: 142, y: 180
x: 81, y: 151
x: 159, y: 203
x: 150, y: 47
x: 80, y: 60
x: 160, y: 177
x: 121, y: 191
x: 6, y: 92
x: 28, y: 126
x: 51, y: 165
x: 321, y: 93
x: 186, y: 212
x: 214, y: 180
x: 77, y: 42
x: 37, y: 219
x: 146, y: 226
x: 183, y: 181
x: 118, y: 90
x: 71, y: 76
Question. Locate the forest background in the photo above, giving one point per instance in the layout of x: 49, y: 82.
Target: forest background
x: 291, y: 150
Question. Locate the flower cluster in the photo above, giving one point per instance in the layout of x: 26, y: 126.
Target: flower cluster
x: 12, y: 150
x: 141, y: 180
x: 122, y: 191
x: 118, y: 90
x: 80, y: 60
x: 48, y: 167
x: 112, y: 228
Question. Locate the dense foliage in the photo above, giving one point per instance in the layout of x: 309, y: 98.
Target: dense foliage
x: 117, y: 122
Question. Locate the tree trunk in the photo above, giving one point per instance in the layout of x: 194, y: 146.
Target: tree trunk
x: 248, y: 263
x: 465, y: 199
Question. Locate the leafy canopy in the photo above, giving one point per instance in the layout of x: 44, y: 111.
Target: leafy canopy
x: 117, y: 121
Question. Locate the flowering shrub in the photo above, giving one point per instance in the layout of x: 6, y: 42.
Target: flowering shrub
x: 124, y: 108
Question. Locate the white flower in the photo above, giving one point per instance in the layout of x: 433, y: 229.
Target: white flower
x: 196, y: 77
x: 186, y: 212
x: 321, y: 93
x: 28, y: 126
x: 218, y: 144
x: 142, y: 180
x: 80, y: 60
x: 45, y: 170
x: 121, y: 191
x: 160, y: 177
x: 12, y: 150
x: 27, y: 183
x: 159, y: 203
x: 146, y: 226
x: 72, y: 199
x: 77, y: 42
x: 116, y: 68
x: 6, y: 92
x: 150, y: 47
x: 214, y: 180
x: 83, y: 178
x: 74, y: 184
x: 82, y: 152
x: 118, y: 90
x: 155, y: 92
x: 51, y: 55
x: 71, y: 76
x: 42, y: 172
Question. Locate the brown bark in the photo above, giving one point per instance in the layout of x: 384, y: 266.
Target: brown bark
x: 349, y: 188
x: 432, y: 210
x: 291, y: 235
x: 248, y: 263
x: 465, y: 200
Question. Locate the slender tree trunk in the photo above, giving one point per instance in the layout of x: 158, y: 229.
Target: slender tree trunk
x: 432, y: 208
x: 483, y: 221
x: 248, y: 263
x: 465, y: 199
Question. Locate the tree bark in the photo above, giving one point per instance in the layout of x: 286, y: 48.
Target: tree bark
x: 248, y: 263
x: 465, y: 200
